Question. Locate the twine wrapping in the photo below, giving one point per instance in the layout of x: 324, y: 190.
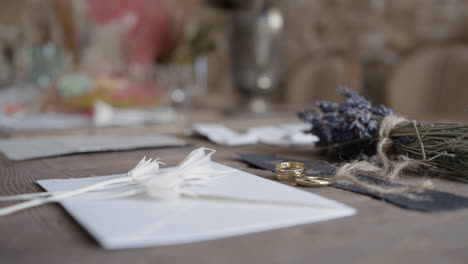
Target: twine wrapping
x: 383, y: 167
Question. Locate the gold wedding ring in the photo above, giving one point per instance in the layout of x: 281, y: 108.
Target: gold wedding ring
x: 289, y: 171
x: 312, y: 181
x: 295, y: 172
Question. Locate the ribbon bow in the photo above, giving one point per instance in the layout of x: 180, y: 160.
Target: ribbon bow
x: 145, y: 177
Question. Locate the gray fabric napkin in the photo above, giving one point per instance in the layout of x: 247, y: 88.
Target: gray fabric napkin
x: 31, y: 148
x: 425, y: 201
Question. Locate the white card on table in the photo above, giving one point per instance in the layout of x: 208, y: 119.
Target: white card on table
x: 234, y: 204
x: 31, y: 148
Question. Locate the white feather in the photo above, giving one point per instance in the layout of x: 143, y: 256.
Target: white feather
x: 170, y: 184
x: 145, y: 169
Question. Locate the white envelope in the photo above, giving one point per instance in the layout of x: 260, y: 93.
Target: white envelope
x: 235, y: 204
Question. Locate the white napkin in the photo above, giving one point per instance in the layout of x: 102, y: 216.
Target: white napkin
x: 234, y: 204
x: 284, y: 135
x: 106, y: 115
x: 31, y: 148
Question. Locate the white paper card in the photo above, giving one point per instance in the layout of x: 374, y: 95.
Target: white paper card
x: 234, y: 204
x: 44, y: 122
x: 31, y: 148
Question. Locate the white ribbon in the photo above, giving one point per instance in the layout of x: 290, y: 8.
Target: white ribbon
x: 146, y: 177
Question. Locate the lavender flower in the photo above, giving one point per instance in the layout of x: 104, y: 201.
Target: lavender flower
x: 353, y: 120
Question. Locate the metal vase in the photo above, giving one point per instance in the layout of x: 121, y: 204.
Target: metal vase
x: 254, y: 48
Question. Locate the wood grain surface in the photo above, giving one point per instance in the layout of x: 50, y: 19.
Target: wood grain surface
x: 378, y: 233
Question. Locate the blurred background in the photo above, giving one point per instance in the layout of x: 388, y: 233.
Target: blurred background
x: 86, y: 56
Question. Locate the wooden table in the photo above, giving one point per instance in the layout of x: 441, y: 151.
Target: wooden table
x: 378, y: 233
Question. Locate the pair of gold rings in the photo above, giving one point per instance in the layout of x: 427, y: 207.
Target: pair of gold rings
x: 295, y: 172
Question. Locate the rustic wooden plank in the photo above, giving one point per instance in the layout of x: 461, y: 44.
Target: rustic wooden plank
x: 379, y: 233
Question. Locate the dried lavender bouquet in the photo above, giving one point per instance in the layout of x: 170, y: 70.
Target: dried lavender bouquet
x: 356, y: 129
